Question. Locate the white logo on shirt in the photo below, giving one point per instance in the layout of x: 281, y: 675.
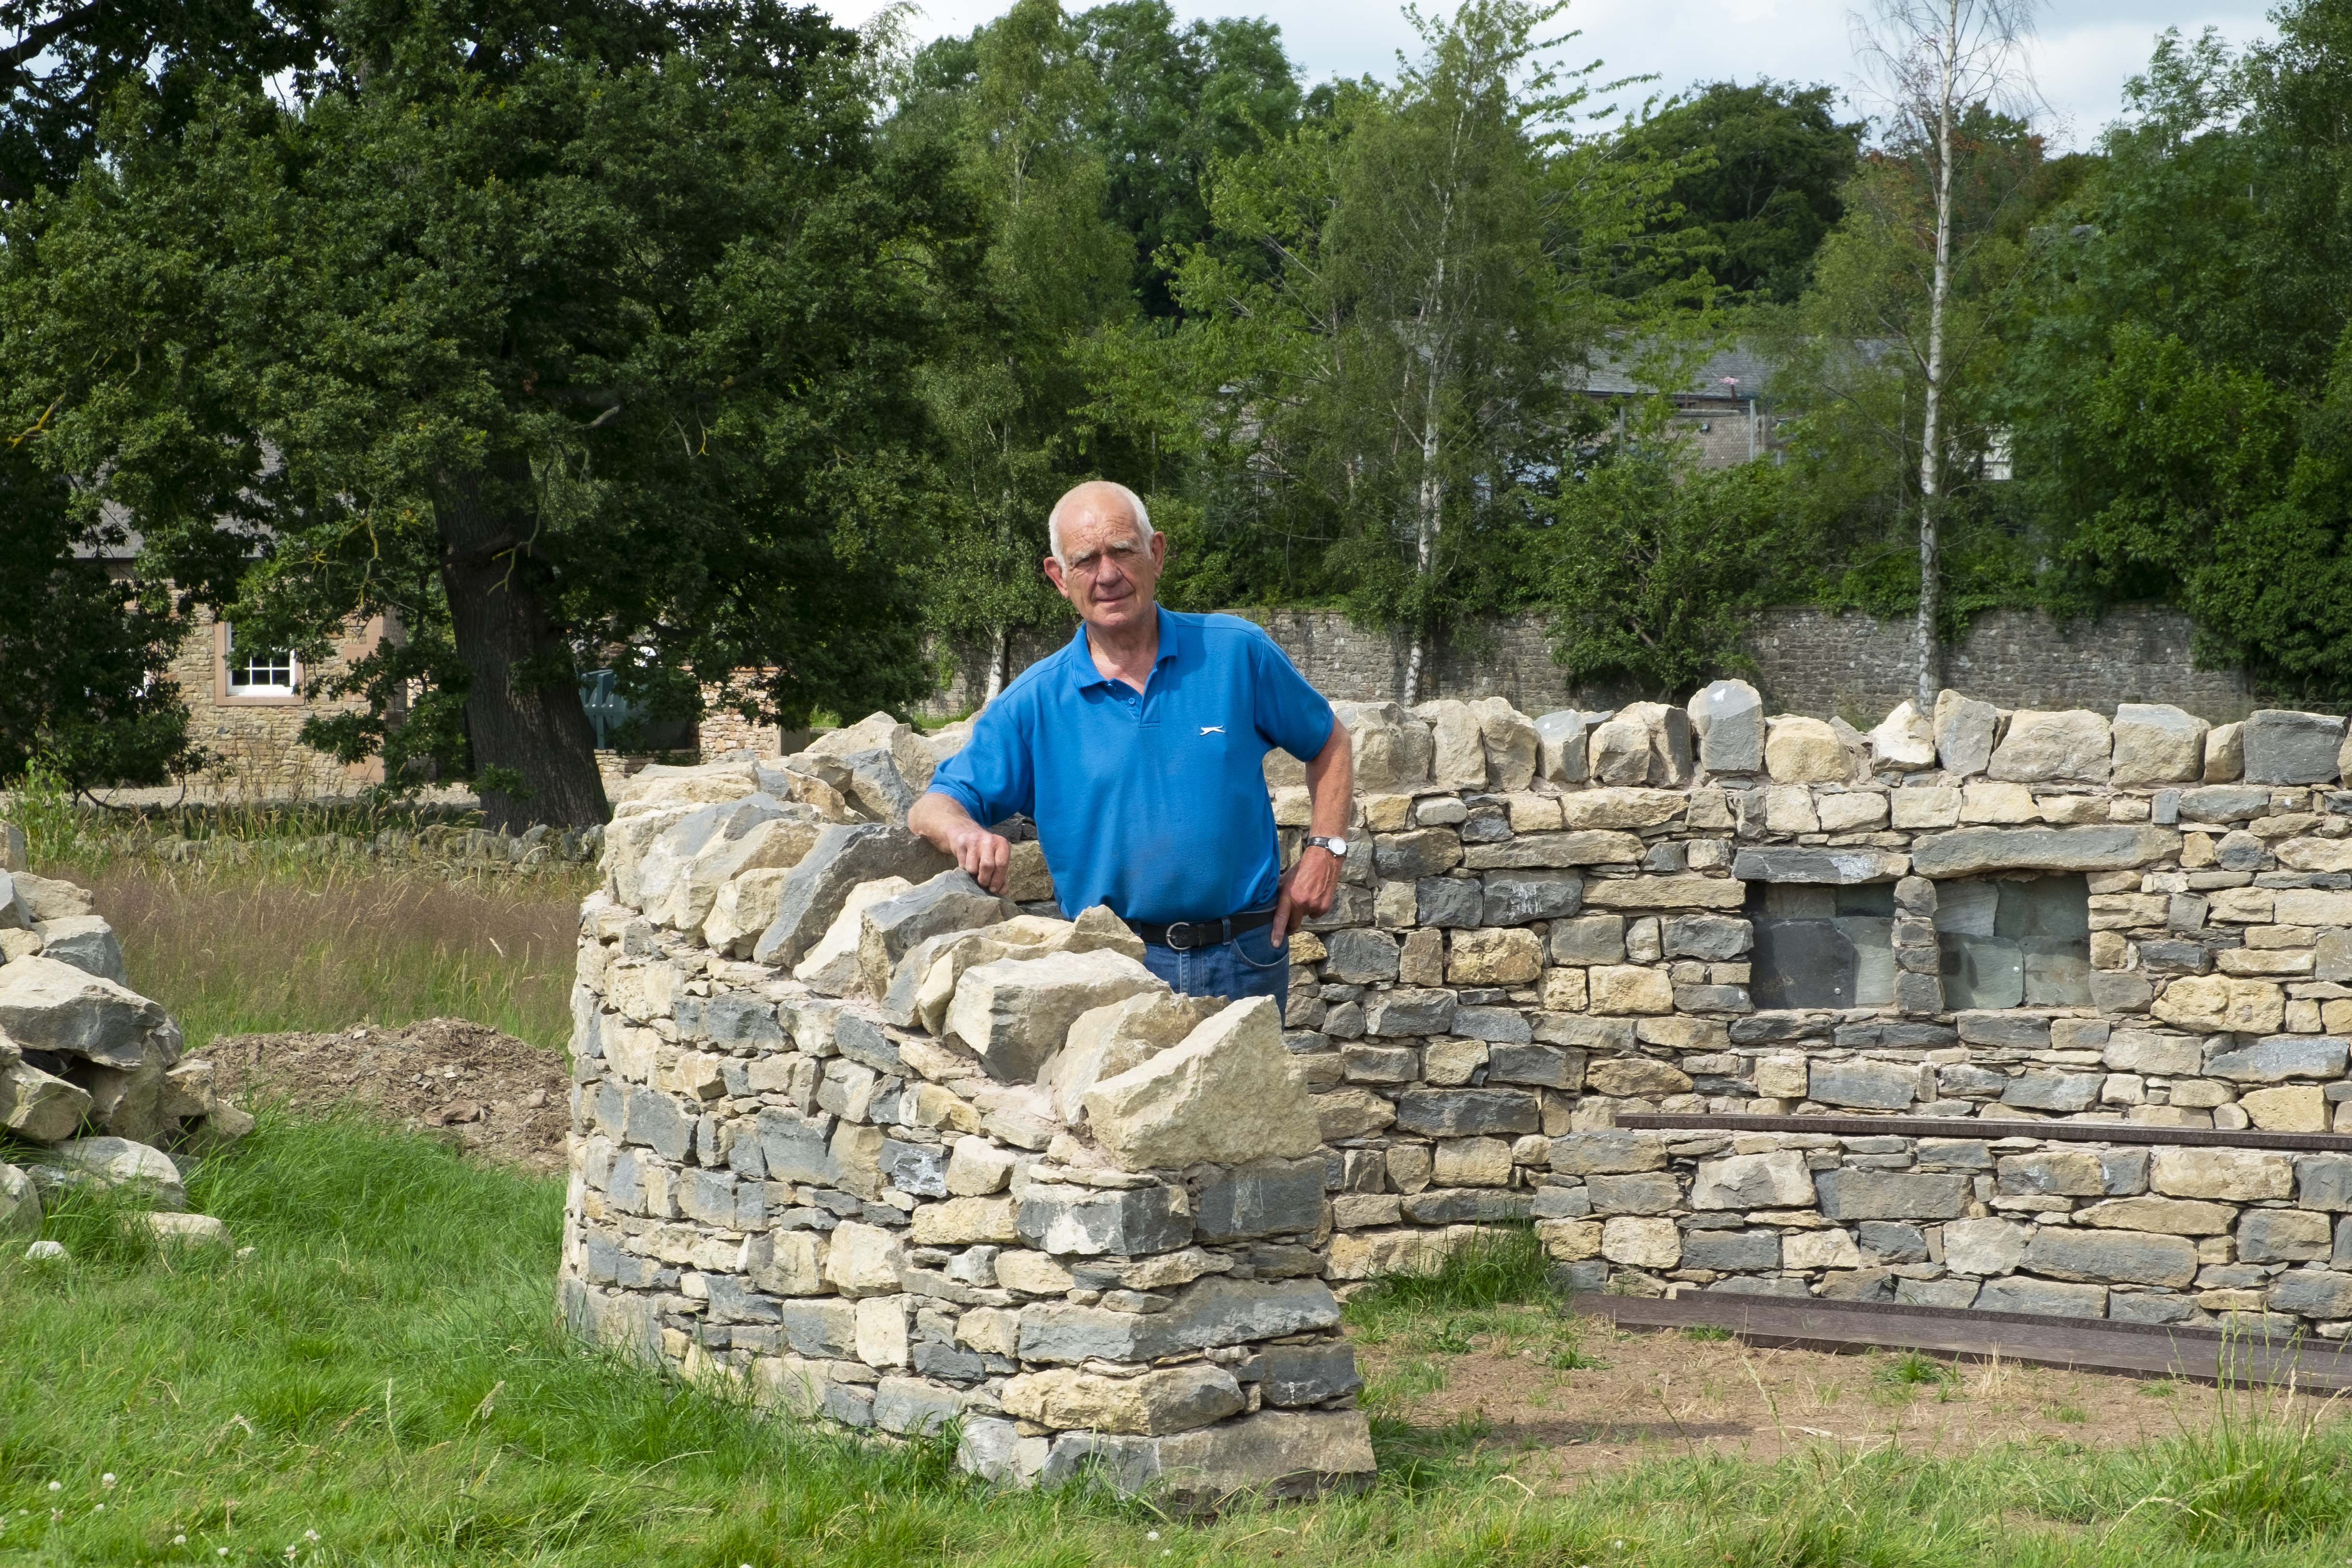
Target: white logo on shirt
x: 1212, y: 729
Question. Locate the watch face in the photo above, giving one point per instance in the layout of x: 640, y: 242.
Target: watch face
x: 1337, y: 845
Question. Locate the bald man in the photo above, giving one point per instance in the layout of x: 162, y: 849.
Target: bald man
x: 1138, y: 748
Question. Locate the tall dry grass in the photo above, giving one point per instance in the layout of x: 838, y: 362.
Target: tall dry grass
x: 251, y: 949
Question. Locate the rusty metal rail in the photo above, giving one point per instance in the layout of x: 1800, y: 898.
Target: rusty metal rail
x: 2091, y: 1345
x: 1971, y: 1127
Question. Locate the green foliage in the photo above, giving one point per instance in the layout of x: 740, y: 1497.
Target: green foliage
x: 1767, y: 166
x: 1502, y: 1265
x: 2183, y: 394
x: 1652, y: 569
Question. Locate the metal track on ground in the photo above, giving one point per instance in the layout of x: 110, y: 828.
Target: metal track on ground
x: 2091, y: 1345
x: 1984, y: 1130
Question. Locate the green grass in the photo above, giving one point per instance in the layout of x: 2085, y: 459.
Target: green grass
x: 281, y: 945
x: 1494, y: 1294
x: 385, y: 1372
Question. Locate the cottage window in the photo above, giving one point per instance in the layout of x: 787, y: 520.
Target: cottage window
x: 259, y: 671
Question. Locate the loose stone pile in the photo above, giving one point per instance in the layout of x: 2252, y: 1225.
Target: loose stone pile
x: 1548, y: 929
x: 90, y: 1071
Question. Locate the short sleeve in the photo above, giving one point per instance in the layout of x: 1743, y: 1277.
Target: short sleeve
x: 993, y: 776
x: 1289, y: 713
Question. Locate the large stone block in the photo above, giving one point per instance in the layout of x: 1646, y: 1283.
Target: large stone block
x: 1014, y: 1013
x: 1805, y: 751
x: 1842, y: 867
x: 1392, y: 750
x: 1876, y: 1086
x: 1964, y: 733
x: 1561, y: 742
x: 2238, y: 1175
x: 1212, y: 1312
x: 1270, y: 1197
x: 1971, y: 851
x: 1406, y: 1011
x: 2073, y: 746
x: 2312, y: 1293
x: 2289, y: 748
x: 2280, y: 1057
x: 2171, y: 1216
x: 1358, y: 957
x: 1459, y: 759
x: 1851, y: 1194
x: 1226, y: 1095
x: 843, y: 855
x: 1630, y: 989
x: 1778, y: 1180
x: 1905, y: 739
x: 1503, y: 956
x: 1608, y: 1151
x: 1729, y: 719
x: 1634, y: 1076
x: 830, y: 967
x: 2212, y: 1004
x: 2282, y: 1235
x: 1170, y: 1399
x: 1106, y: 1041
x: 1091, y: 1221
x: 890, y: 929
x: 2111, y: 1257
x: 86, y: 942
x: 46, y: 1006
x: 2042, y: 1297
x: 120, y: 1163
x: 2156, y: 743
x: 1620, y: 810
x: 1466, y: 1112
x: 1273, y: 1453
x: 1582, y: 847
x: 1512, y: 743
x: 39, y: 1107
x: 1983, y: 1246
x: 1731, y: 1251
x: 1670, y: 892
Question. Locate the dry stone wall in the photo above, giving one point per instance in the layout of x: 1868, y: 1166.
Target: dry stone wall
x: 2032, y: 1009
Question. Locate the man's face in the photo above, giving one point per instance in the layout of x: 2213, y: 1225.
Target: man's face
x: 1112, y: 570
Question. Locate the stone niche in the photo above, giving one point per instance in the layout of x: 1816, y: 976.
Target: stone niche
x: 1822, y: 946
x: 2020, y: 942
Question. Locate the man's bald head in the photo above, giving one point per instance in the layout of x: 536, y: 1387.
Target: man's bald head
x: 1097, y: 499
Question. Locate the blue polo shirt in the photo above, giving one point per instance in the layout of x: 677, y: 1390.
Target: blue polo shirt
x: 1153, y: 803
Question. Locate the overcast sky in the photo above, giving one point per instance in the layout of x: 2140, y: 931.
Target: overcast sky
x: 2085, y: 51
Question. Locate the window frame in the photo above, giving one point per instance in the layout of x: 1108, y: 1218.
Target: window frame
x: 227, y: 692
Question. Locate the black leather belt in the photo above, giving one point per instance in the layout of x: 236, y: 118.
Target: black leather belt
x: 1184, y: 936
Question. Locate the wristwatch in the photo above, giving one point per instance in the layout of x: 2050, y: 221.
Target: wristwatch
x: 1338, y: 847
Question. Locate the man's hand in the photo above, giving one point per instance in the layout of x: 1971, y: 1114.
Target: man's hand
x: 1307, y: 889
x: 985, y: 856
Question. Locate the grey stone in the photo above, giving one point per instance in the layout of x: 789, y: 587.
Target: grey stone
x: 1964, y: 733
x: 2125, y: 991
x: 2040, y: 1296
x: 1775, y: 1180
x: 1406, y: 1011
x: 1579, y: 1031
x: 1729, y: 719
x: 2225, y: 803
x: 950, y: 902
x: 2283, y: 1236
x: 1604, y: 1150
x: 1971, y: 851
x: 730, y: 1018
x: 920, y: 1169
x: 1454, y: 902
x: 660, y: 1122
x: 1716, y: 938
x: 1503, y: 1026
x: 2146, y: 1307
x: 1936, y: 1292
x: 2062, y: 1092
x: 46, y: 1006
x: 1728, y: 1251
x: 1466, y: 1112
x: 1544, y: 1067
x: 797, y: 1148
x: 1832, y: 866
x: 2289, y: 748
x: 2023, y: 1030
x: 1559, y: 739
x: 1589, y: 939
x: 1851, y: 1195
x: 2166, y: 957
x: 1888, y: 1242
x: 1640, y: 1192
x: 733, y: 1300
x: 1273, y: 1197
x: 2323, y: 1182
x: 1515, y: 898
x: 1211, y: 1312
x: 1092, y: 1221
x: 2312, y: 1293
x: 86, y: 942
x: 845, y: 855
x: 1877, y: 1086
x: 1291, y: 1375
x: 121, y: 1162
x: 39, y: 1107
x: 1742, y: 1286
x: 2277, y: 1058
x: 2075, y: 744
x: 1361, y: 957
x: 911, y: 1405
x: 2068, y: 1252
x: 1425, y: 852
x: 1468, y: 1205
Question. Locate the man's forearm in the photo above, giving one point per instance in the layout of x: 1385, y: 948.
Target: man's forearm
x: 1331, y: 785
x: 941, y: 819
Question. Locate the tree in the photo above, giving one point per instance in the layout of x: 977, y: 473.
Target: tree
x: 2183, y: 394
x: 562, y: 342
x: 1937, y: 58
x: 1049, y: 269
x: 1392, y: 370
x: 1769, y: 190
x: 1653, y: 568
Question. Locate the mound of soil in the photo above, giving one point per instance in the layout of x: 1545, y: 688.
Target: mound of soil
x: 488, y: 1093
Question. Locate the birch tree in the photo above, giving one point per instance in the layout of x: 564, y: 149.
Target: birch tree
x: 1934, y: 60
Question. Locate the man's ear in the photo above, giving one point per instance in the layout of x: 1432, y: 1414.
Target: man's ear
x: 1053, y: 574
x: 1158, y: 550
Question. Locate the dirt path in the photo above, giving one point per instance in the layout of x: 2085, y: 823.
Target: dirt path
x: 490, y: 1093
x: 1661, y: 1394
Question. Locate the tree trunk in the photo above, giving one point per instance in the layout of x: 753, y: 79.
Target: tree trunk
x: 522, y: 700
x: 1413, y: 660
x: 1931, y: 432
x: 1000, y: 654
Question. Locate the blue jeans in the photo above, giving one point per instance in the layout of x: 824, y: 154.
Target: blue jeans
x: 1249, y: 965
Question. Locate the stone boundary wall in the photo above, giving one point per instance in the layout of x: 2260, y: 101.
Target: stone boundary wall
x: 1807, y: 660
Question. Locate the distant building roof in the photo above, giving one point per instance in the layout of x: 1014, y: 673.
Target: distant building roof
x: 1734, y: 374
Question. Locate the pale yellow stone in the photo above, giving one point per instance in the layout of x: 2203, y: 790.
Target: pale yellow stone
x: 2288, y: 1108
x: 1853, y: 812
x: 1564, y: 991
x: 1643, y: 1241
x: 1473, y: 1163
x: 1985, y: 801
x: 1619, y: 989
x: 1506, y: 956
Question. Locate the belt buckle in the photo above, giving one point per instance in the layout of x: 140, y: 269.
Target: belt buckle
x: 1186, y: 926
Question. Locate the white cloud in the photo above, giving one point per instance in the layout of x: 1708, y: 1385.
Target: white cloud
x: 2086, y: 51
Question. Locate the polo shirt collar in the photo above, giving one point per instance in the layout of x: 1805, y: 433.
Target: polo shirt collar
x: 1174, y: 639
